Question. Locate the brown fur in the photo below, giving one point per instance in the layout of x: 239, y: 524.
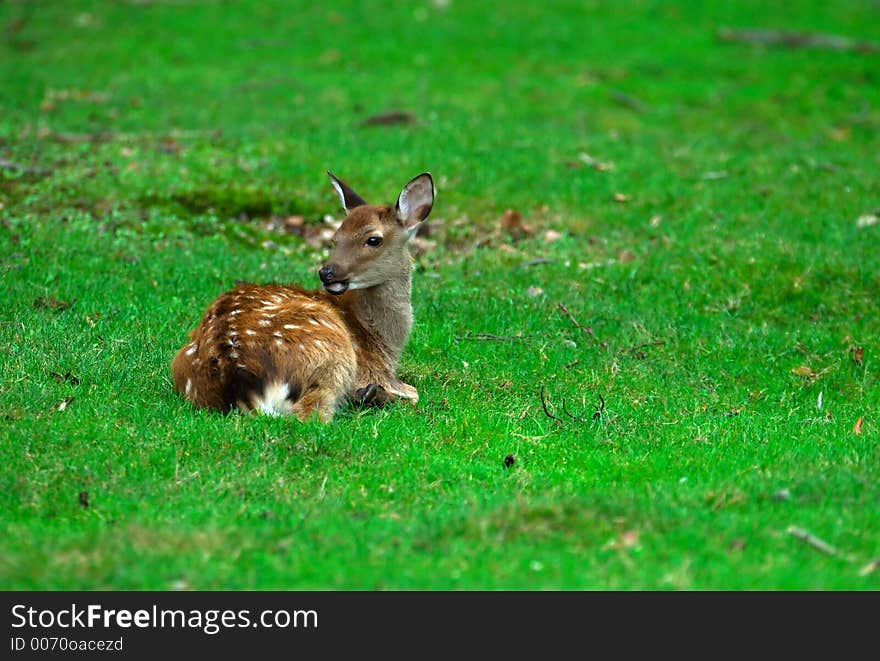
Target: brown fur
x: 316, y: 348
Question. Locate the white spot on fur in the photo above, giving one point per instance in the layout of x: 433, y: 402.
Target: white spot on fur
x: 269, y: 303
x: 274, y: 399
x: 192, y: 349
x: 279, y: 343
x: 313, y: 322
x: 277, y: 334
x: 292, y: 327
x: 301, y: 347
x: 319, y: 344
x: 189, y: 385
x: 326, y: 324
x: 233, y: 355
x: 233, y: 333
x: 264, y: 322
x: 234, y: 312
x: 251, y: 332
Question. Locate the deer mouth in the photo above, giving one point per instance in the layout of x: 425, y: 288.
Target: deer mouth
x: 337, y: 288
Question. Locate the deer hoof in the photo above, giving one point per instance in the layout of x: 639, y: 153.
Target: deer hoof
x: 406, y: 392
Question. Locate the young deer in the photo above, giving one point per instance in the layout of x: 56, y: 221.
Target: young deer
x: 281, y: 349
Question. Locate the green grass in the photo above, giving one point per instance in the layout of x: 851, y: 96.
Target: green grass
x: 724, y: 296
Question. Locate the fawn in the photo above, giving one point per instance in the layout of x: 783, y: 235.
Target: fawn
x: 282, y: 349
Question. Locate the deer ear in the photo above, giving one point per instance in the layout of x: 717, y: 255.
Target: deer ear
x: 349, y: 198
x: 415, y: 202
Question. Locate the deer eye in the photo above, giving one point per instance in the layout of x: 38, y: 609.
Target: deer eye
x: 374, y: 241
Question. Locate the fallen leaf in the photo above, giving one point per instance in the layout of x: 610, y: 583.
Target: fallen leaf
x: 169, y: 145
x: 858, y: 354
x: 294, y: 222
x: 622, y: 198
x: 629, y: 538
x: 551, y: 235
x: 625, y: 256
x: 805, y: 371
x: 55, y: 304
x: 857, y: 428
x: 839, y: 133
x: 872, y: 566
x: 596, y: 164
x: 421, y: 246
x: 84, y: 498
x: 64, y: 403
x: 868, y: 220
x: 318, y: 237
x: 511, y: 222
x: 534, y: 291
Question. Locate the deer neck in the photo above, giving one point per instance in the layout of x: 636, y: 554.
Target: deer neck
x: 384, y: 315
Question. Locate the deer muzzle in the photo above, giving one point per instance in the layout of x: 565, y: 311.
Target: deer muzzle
x: 330, y: 276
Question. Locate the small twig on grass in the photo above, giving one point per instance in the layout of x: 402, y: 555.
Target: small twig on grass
x: 599, y: 409
x: 637, y: 349
x: 628, y: 101
x: 544, y: 406
x: 797, y: 40
x: 487, y: 336
x: 536, y: 261
x: 389, y: 118
x: 26, y: 169
x: 577, y: 324
x: 573, y: 417
x: 75, y: 138
x: 810, y: 539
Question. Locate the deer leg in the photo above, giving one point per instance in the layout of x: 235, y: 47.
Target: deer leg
x: 372, y: 394
x: 380, y: 393
x: 319, y: 401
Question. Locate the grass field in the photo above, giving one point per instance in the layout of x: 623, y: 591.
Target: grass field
x: 693, y: 241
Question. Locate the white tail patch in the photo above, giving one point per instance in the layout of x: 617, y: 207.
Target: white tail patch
x: 274, y: 400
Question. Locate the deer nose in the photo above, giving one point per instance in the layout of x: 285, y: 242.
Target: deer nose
x: 326, y: 274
